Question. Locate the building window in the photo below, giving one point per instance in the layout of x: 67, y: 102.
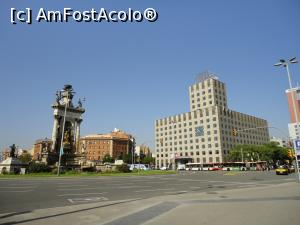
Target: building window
x: 199, y: 131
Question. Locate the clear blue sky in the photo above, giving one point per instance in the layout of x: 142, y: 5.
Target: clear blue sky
x: 134, y: 73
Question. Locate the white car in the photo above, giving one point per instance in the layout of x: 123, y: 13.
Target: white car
x: 163, y: 168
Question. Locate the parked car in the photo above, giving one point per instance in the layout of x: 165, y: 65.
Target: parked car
x: 163, y: 168
x: 138, y: 166
x: 284, y: 170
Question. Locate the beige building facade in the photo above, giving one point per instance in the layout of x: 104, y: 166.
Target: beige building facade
x: 205, y: 134
x: 115, y: 144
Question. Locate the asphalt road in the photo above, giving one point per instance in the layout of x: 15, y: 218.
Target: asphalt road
x: 27, y: 194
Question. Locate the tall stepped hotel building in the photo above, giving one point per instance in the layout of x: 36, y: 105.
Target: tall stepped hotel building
x: 205, y: 134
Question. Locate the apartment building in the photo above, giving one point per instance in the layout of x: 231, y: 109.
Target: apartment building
x: 294, y: 125
x: 205, y: 134
x: 115, y: 144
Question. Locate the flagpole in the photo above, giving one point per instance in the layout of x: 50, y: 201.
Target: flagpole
x: 62, y: 136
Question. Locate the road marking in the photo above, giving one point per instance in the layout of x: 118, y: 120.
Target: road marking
x: 79, y: 185
x: 76, y: 189
x: 23, y: 191
x: 156, y: 182
x: 101, y: 193
x: 18, y: 187
x: 162, y: 189
x: 228, y: 182
x: 230, y: 174
x: 91, y: 199
x: 128, y: 187
x: 202, y: 188
x: 175, y: 192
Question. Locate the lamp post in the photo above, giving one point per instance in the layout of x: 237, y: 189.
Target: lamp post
x: 132, y: 149
x: 242, y: 154
x: 173, y: 147
x: 284, y: 63
x: 62, y: 135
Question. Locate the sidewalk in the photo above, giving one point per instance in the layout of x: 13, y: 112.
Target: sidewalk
x: 276, y: 204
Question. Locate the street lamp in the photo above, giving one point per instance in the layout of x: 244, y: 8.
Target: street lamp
x: 62, y: 135
x: 173, y: 147
x: 284, y: 63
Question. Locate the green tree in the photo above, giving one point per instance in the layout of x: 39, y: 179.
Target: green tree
x: 25, y: 158
x: 147, y: 160
x: 107, y: 159
x: 270, y: 152
x: 127, y: 158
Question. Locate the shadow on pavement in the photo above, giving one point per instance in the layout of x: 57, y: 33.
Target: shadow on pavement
x: 62, y: 214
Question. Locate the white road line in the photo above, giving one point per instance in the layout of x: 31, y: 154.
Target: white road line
x: 23, y: 191
x: 156, y: 182
x: 101, y: 193
x: 129, y: 187
x: 70, y: 183
x: 175, y: 192
x: 192, y: 187
x: 249, y: 185
x: 76, y: 189
x: 227, y: 182
x: 88, y: 199
x: 67, y: 186
x: 17, y: 187
x: 162, y: 189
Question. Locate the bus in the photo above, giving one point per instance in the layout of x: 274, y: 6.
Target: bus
x: 212, y: 166
x: 227, y: 166
x: 203, y: 166
x: 243, y: 166
x: 234, y: 166
x: 193, y: 166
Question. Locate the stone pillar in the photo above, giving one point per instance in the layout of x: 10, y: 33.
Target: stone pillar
x: 54, y: 132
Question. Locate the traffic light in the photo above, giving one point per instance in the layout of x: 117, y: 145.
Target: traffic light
x: 290, y: 154
x: 234, y: 132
